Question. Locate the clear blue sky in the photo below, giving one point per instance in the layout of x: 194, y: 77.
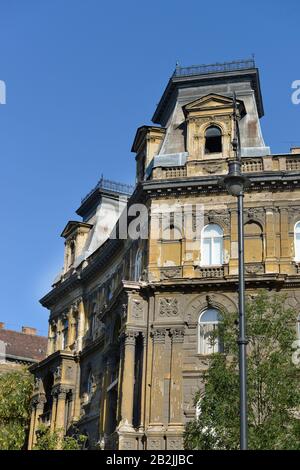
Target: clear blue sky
x: 81, y: 76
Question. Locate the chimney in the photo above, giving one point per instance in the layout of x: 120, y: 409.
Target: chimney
x: 2, y: 325
x: 28, y: 330
x: 295, y: 149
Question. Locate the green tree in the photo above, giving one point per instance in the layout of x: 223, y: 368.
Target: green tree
x: 15, y: 394
x: 272, y: 379
x: 53, y: 440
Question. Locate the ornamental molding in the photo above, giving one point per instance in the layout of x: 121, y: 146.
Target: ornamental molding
x: 219, y: 217
x: 203, y: 301
x: 255, y: 214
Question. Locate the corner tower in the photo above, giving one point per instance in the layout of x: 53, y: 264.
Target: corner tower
x: 195, y: 107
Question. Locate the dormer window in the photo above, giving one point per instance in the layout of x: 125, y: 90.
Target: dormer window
x: 213, y: 140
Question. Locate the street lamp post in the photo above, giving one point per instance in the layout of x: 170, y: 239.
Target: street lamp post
x: 235, y: 184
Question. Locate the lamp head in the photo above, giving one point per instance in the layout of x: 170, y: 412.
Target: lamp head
x: 234, y: 181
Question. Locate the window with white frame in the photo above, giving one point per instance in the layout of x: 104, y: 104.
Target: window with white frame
x: 297, y: 241
x: 212, y: 245
x: 208, y: 341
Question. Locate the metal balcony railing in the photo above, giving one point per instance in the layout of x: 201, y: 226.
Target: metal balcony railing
x: 120, y: 188
x: 214, y: 68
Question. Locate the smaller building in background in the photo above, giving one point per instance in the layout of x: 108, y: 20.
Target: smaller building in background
x: 22, y: 348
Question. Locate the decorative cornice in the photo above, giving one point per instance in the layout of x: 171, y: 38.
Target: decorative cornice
x: 279, y: 180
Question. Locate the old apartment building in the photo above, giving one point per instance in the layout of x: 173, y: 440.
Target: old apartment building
x: 129, y: 318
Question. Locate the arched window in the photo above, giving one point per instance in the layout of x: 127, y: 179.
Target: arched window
x: 213, y: 140
x: 207, y: 326
x: 138, y: 265
x: 297, y: 241
x: 212, y: 245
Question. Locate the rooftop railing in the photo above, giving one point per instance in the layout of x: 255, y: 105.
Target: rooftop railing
x: 113, y: 186
x: 214, y: 68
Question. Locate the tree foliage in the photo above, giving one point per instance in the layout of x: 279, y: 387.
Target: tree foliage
x: 272, y: 382
x: 53, y: 440
x: 15, y: 394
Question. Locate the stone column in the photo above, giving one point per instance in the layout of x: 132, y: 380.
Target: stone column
x: 128, y: 380
x: 81, y: 319
x: 60, y: 409
x: 32, y: 423
x: 157, y: 388
x: 38, y: 411
x: 53, y: 412
x: 103, y: 405
x: 120, y: 381
x: 285, y: 244
x: 176, y: 395
x: 109, y: 369
x: 143, y: 385
x: 271, y: 263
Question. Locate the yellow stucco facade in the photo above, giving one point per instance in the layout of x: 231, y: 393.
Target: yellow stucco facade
x: 125, y: 351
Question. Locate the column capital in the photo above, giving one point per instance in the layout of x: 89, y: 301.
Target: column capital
x: 129, y: 337
x: 60, y: 391
x: 159, y: 335
x: 177, y: 335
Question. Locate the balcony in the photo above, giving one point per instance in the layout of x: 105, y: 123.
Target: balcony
x: 211, y: 272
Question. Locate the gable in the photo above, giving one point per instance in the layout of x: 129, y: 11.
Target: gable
x: 212, y: 101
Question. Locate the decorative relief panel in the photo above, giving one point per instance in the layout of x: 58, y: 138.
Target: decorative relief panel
x: 212, y: 168
x: 137, y: 309
x: 153, y: 444
x: 171, y: 272
x: 254, y: 268
x: 168, y: 307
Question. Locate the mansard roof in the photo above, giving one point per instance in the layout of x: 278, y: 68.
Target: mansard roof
x: 204, y: 76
